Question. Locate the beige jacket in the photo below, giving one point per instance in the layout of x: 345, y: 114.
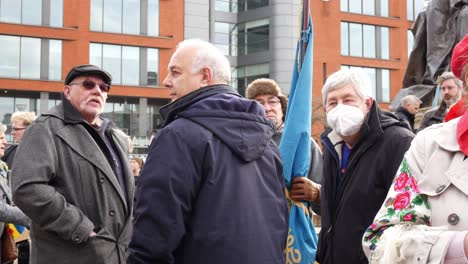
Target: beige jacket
x: 421, y: 232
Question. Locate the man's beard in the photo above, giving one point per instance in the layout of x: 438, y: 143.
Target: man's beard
x: 451, y: 101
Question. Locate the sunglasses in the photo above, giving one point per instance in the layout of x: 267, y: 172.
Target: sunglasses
x: 89, y: 85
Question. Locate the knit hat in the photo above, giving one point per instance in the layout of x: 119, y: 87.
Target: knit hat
x: 88, y: 69
x: 139, y: 161
x: 459, y: 57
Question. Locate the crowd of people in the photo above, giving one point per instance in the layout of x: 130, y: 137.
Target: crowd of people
x: 212, y: 187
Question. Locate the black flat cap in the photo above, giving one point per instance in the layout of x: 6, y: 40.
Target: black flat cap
x: 88, y: 69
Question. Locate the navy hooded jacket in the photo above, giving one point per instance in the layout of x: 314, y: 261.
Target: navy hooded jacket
x: 212, y: 189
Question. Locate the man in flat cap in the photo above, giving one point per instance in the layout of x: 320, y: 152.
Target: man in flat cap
x: 72, y: 178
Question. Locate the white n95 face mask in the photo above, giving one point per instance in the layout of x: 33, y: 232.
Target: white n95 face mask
x: 345, y: 120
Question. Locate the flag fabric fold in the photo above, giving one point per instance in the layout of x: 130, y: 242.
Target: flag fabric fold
x: 295, y: 146
x: 16, y: 230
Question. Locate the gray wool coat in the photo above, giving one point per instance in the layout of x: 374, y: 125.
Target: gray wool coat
x: 8, y: 213
x: 64, y: 182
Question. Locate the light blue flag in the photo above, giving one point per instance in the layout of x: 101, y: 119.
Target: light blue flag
x: 295, y: 146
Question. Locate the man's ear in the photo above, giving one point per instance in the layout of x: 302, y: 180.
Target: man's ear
x: 368, y: 102
x: 66, y: 91
x: 207, y: 76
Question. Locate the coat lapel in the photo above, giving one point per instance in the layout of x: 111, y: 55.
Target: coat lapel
x: 457, y: 173
x: 81, y: 141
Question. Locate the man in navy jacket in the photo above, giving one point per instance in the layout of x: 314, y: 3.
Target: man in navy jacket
x: 212, y: 190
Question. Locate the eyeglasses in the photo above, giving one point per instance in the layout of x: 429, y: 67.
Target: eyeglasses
x: 89, y: 85
x: 14, y: 129
x: 271, y: 103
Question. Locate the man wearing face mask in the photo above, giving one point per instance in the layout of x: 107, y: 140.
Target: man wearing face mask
x: 362, y: 150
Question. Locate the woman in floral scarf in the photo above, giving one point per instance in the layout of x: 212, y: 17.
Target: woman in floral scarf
x: 8, y: 213
x: 424, y: 218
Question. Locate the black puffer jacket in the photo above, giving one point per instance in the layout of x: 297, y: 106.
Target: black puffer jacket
x: 372, y: 164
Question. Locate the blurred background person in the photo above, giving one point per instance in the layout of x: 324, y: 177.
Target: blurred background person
x: 19, y: 122
x: 136, y: 165
x: 267, y: 93
x: 451, y: 88
x: 409, y: 106
x: 8, y: 213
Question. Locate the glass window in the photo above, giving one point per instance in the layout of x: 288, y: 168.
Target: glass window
x: 6, y: 109
x: 410, y: 9
x: 21, y: 57
x: 96, y: 15
x: 123, y: 111
x: 152, y: 67
x: 130, y: 65
x: 124, y: 63
x: 385, y: 86
x: 254, y: 36
x: 153, y: 17
x: 131, y: 17
x: 355, y: 6
x: 226, y: 38
x: 10, y: 11
x: 410, y: 42
x: 355, y: 37
x: 384, y: 8
x: 369, y: 41
x: 344, y: 39
x: 55, y: 59
x: 125, y: 16
x: 373, y: 78
x: 95, y: 54
x: 364, y: 41
x: 245, y: 5
x: 9, y: 56
x: 368, y: 8
x: 111, y: 61
x: 344, y: 5
x: 32, y: 12
x: 226, y: 6
x: 413, y: 7
x: 56, y: 13
x: 384, y: 43
x: 418, y: 6
x: 112, y: 16
x: 30, y: 58
x: 365, y: 7
x: 249, y: 73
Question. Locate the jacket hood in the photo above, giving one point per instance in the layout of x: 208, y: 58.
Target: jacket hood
x: 239, y: 123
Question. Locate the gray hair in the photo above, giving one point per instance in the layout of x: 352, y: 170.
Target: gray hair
x: 410, y: 99
x: 3, y: 128
x: 358, y: 79
x: 450, y: 76
x: 208, y: 55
